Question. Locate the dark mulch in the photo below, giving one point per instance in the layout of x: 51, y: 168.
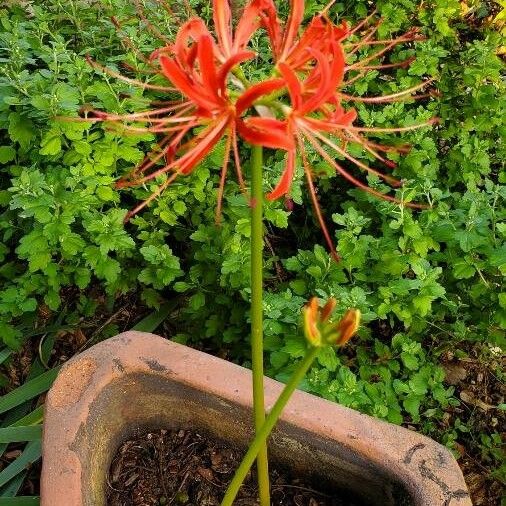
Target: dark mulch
x: 186, y: 468
x: 479, y: 384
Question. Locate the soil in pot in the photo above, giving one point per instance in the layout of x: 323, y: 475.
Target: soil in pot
x: 179, y: 467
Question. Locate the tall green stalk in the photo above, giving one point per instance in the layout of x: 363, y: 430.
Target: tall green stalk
x: 257, y: 340
x: 261, y: 436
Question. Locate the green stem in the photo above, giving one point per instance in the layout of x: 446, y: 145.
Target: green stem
x: 261, y: 435
x: 257, y: 340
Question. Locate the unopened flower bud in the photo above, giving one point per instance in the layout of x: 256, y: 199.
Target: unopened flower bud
x: 320, y: 331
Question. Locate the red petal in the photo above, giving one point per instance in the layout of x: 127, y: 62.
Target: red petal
x: 324, y: 90
x: 272, y: 138
x: 247, y: 25
x: 292, y: 26
x: 192, y: 29
x: 207, y: 66
x: 173, y: 72
x: 292, y: 83
x: 205, y: 142
x: 284, y: 184
x: 271, y: 24
x: 256, y: 91
x: 314, y: 35
x: 223, y: 26
x: 230, y: 64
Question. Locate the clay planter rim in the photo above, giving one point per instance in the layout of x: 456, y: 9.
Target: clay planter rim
x: 78, y: 444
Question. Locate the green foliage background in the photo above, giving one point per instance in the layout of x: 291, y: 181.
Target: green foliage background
x: 427, y: 282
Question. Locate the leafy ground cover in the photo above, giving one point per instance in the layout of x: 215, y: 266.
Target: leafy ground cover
x: 429, y: 283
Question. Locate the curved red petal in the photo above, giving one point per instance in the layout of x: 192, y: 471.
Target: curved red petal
x: 223, y: 25
x: 192, y: 29
x: 292, y: 83
x: 230, y: 64
x: 179, y: 78
x: 324, y: 90
x: 273, y: 138
x: 292, y: 26
x: 207, y: 66
x: 247, y: 25
x: 270, y: 21
x: 285, y: 182
x: 255, y: 92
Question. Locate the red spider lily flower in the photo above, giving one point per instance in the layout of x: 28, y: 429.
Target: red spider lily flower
x: 319, y: 330
x: 198, y: 68
x: 312, y: 70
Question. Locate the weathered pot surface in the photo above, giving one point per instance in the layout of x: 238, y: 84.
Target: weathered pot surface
x: 141, y: 381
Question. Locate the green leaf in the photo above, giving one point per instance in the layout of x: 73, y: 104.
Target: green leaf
x: 50, y: 144
x: 181, y: 286
x: 32, y: 418
x: 295, y: 347
x: 29, y: 390
x: 72, y: 243
x: 10, y: 335
x: 7, y: 154
x: 278, y: 359
x: 31, y: 454
x: 19, y: 433
x: 423, y: 303
x: 20, y: 501
x: 197, y: 301
x: 11, y: 489
x: 108, y: 269
x: 412, y: 405
x: 410, y: 361
x: 21, y: 129
x: 462, y: 270
x: 151, y: 322
x: 5, y: 354
x: 328, y: 358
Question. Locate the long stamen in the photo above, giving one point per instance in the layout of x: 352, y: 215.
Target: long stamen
x: 429, y: 122
x: 368, y: 147
x: 149, y: 160
x: 159, y: 35
x: 404, y: 63
x: 353, y: 180
x: 237, y: 160
x: 388, y: 98
x: 143, y: 115
x: 174, y: 142
x: 353, y: 79
x: 391, y: 180
x: 315, y: 203
x: 155, y: 194
x: 156, y: 130
x: 326, y: 9
x: 362, y: 23
x: 205, y: 137
x: 223, y: 176
x: 128, y: 42
x: 135, y: 82
x: 404, y: 149
x: 403, y: 38
x: 165, y: 6
x: 369, y: 35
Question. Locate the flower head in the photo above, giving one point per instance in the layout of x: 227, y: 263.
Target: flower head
x: 321, y: 331
x: 301, y: 105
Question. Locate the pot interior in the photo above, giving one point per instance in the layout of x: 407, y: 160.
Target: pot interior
x: 139, y: 402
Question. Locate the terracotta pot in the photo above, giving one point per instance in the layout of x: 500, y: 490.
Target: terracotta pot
x: 138, y: 380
